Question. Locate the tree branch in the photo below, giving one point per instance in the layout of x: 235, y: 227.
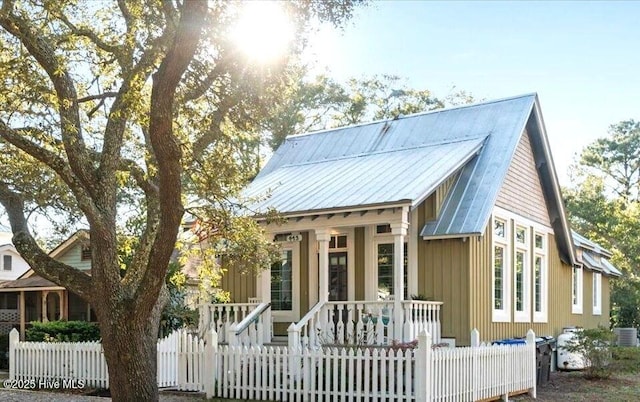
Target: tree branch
x: 76, y: 281
x: 98, y: 96
x: 71, y: 131
x: 167, y: 149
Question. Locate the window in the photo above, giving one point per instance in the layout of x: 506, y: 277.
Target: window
x: 86, y: 253
x: 519, y: 269
x: 500, y: 292
x: 6, y: 261
x: 597, y: 293
x: 281, y: 282
x: 338, y: 241
x: 576, y: 290
x: 385, y: 270
x: 540, y: 278
x: 522, y: 275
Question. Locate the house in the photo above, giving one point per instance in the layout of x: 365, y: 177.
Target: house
x: 448, y: 220
x: 12, y: 266
x: 39, y: 299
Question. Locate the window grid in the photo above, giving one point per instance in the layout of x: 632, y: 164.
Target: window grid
x: 281, y: 282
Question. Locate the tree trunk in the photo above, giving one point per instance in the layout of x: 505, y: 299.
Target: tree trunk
x: 129, y: 344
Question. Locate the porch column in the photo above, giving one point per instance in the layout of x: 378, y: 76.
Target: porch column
x: 399, y: 231
x: 323, y: 236
x: 61, y: 315
x: 23, y: 315
x: 44, y: 314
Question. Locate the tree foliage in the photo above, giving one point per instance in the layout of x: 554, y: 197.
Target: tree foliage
x: 604, y: 206
x: 127, y: 110
x: 325, y: 103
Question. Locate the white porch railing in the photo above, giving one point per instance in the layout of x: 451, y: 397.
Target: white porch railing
x: 250, y: 320
x: 364, y: 323
x: 421, y: 316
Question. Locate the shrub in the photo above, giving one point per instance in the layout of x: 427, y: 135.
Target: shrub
x: 595, y: 347
x: 63, y: 331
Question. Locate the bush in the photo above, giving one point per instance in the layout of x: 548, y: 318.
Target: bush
x: 63, y: 331
x: 595, y: 347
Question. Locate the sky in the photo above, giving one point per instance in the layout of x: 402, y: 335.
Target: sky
x: 582, y: 58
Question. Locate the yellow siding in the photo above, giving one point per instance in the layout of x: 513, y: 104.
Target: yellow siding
x: 559, y: 297
x: 240, y: 285
x: 521, y: 191
x: 358, y: 243
x: 443, y: 276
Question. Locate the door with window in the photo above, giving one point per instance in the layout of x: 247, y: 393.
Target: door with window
x: 338, y: 289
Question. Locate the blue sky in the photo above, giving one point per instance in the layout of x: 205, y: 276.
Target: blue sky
x: 581, y: 58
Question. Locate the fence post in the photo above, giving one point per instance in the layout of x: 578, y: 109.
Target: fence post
x: 531, y: 344
x: 210, y: 356
x: 475, y: 338
x: 475, y: 372
x: 232, y: 335
x: 294, y: 347
x: 14, y: 338
x: 423, y: 378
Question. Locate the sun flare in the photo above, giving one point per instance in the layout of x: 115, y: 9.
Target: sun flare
x: 263, y: 31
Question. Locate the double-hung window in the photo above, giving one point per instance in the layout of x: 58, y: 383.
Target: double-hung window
x: 540, y: 273
x: 576, y: 290
x: 500, y: 271
x: 521, y: 275
x: 597, y: 293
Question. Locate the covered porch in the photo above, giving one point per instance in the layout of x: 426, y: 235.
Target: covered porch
x: 344, y: 277
x: 33, y: 298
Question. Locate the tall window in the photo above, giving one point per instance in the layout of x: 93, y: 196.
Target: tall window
x: 597, y: 293
x: 85, y: 253
x: 576, y: 290
x: 539, y: 278
x: 385, y: 270
x: 281, y: 282
x: 501, y: 311
x: 6, y: 262
x: 522, y: 274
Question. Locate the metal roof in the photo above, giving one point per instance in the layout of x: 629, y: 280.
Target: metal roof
x: 379, y: 177
x: 404, y: 159
x: 589, y: 248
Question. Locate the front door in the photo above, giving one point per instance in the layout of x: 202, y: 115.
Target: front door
x: 338, y: 276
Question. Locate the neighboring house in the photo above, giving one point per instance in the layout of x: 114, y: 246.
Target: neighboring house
x: 460, y: 206
x: 39, y: 299
x: 12, y: 266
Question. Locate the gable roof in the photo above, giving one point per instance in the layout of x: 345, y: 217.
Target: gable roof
x: 60, y: 249
x: 401, y: 161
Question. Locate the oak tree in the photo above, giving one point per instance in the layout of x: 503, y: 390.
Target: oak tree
x: 108, y: 109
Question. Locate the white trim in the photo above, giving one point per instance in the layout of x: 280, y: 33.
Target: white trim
x: 576, y: 289
x: 503, y: 314
x: 542, y: 315
x: 506, y: 214
x: 294, y: 313
x: 412, y: 254
x: 597, y: 293
x: 523, y: 315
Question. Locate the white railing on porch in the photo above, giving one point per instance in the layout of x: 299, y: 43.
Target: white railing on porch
x: 255, y: 329
x: 364, y: 323
x: 222, y: 316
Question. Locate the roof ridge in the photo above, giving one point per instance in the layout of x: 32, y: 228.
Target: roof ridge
x: 426, y: 112
x: 387, y: 151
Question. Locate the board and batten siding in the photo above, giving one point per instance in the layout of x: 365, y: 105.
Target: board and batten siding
x: 559, y: 295
x: 521, y: 191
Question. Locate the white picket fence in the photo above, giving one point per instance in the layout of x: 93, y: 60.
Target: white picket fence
x: 180, y: 361
x: 187, y: 362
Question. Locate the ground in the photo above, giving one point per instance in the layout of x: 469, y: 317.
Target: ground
x: 571, y: 386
